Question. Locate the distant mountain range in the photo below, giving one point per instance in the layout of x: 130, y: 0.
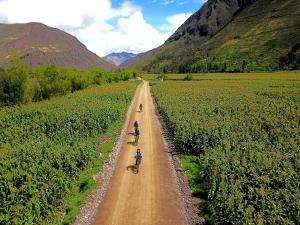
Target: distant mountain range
x: 38, y: 44
x: 119, y: 58
x: 232, y: 36
x: 125, y: 59
x: 135, y: 59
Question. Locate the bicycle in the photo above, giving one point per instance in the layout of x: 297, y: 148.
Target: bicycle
x: 137, y: 165
x: 138, y: 159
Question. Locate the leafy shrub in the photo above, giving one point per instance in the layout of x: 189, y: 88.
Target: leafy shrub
x: 53, y: 83
x: 161, y: 76
x: 34, y: 91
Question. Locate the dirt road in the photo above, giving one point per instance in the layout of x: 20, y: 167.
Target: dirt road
x: 149, y: 197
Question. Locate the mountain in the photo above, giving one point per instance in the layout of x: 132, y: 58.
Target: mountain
x: 134, y: 59
x: 38, y: 44
x: 119, y: 58
x: 232, y: 35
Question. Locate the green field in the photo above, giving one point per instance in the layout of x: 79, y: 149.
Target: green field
x: 283, y: 75
x: 50, y: 150
x: 238, y: 137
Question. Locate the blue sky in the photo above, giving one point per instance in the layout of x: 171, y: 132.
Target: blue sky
x: 106, y: 26
x: 156, y: 11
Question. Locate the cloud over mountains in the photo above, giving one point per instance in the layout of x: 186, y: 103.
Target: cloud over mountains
x: 100, y: 26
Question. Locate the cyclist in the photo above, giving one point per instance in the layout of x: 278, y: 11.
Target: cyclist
x: 138, y: 157
x: 141, y: 107
x: 136, y: 125
x: 136, y: 135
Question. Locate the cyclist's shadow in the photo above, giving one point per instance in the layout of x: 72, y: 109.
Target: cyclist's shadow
x: 131, y: 143
x: 133, y: 168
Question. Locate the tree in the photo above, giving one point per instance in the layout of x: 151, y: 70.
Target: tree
x: 13, y: 82
x: 53, y: 83
x: 244, y: 65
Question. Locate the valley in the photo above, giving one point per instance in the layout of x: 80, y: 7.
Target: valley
x: 198, y: 126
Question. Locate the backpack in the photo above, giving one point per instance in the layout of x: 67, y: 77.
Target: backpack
x: 137, y: 132
x: 138, y: 155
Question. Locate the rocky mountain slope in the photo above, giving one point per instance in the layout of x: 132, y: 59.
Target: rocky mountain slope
x: 232, y: 35
x: 38, y: 44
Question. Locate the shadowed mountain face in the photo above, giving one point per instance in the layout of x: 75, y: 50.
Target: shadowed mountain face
x: 38, y: 44
x: 210, y: 19
x: 231, y: 35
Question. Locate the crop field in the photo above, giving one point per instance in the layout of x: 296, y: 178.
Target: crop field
x: 229, y: 76
x: 238, y: 137
x: 46, y: 147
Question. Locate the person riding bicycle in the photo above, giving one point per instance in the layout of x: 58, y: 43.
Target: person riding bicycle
x: 136, y: 135
x: 136, y: 125
x: 141, y: 107
x: 138, y: 157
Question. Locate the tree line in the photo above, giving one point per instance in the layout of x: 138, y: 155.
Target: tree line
x: 20, y: 84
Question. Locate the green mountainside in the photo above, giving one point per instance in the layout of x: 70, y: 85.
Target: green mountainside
x: 232, y: 36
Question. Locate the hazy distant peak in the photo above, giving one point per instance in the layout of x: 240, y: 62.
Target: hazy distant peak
x: 117, y: 58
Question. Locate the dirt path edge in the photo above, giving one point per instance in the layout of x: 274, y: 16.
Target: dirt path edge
x: 189, y: 203
x: 92, y: 202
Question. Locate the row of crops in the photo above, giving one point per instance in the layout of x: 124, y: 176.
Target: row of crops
x: 220, y: 76
x: 239, y: 140
x: 46, y: 146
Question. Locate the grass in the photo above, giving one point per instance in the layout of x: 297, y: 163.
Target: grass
x: 190, y: 165
x: 192, y: 168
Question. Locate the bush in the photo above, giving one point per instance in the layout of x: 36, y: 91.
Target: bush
x: 53, y: 83
x: 188, y: 77
x: 33, y: 91
x: 161, y: 76
x: 13, y: 82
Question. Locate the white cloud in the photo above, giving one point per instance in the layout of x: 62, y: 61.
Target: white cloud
x: 167, y: 2
x: 102, y: 28
x: 175, y: 21
x: 130, y: 34
x: 164, y: 2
